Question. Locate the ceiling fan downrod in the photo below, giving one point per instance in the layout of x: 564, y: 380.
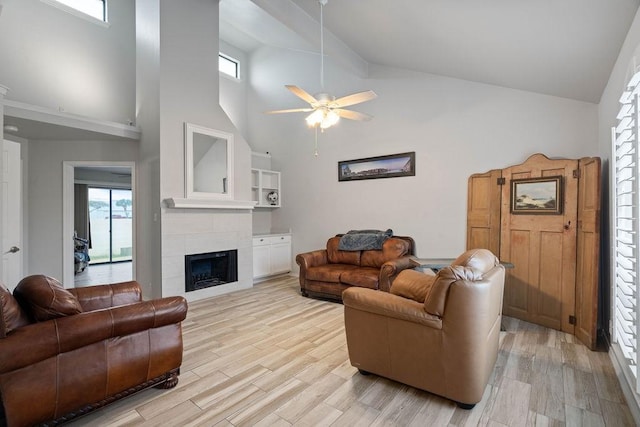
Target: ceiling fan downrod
x: 322, y: 4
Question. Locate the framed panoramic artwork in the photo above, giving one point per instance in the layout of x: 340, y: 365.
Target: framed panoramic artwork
x: 533, y: 196
x: 393, y: 165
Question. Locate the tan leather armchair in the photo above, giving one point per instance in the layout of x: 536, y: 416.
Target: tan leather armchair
x: 436, y: 333
x: 66, y: 352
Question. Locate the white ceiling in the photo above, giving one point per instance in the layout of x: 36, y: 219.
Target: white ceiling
x: 565, y: 48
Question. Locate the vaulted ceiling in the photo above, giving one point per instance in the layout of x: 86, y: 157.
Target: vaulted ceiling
x: 564, y: 48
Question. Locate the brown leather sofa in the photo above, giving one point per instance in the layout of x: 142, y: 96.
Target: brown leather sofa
x: 66, y: 352
x: 325, y: 273
x: 436, y: 333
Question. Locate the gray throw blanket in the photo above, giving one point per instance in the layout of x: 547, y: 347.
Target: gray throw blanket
x: 364, y: 240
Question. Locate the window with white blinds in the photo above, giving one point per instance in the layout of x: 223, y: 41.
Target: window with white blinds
x: 626, y: 225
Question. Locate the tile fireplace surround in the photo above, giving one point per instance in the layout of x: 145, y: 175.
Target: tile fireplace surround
x: 195, y: 231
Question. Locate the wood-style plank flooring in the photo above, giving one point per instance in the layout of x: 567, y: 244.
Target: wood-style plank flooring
x: 96, y: 274
x: 270, y: 357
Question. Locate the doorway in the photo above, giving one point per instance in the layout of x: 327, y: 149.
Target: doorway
x: 99, y: 216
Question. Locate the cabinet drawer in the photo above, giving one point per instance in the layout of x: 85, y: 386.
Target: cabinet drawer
x: 270, y: 240
x: 261, y: 241
x: 279, y: 239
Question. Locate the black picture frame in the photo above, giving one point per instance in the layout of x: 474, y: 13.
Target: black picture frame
x: 537, y: 196
x: 390, y: 166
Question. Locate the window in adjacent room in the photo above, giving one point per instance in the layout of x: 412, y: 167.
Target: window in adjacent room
x: 625, y: 238
x: 229, y: 66
x: 95, y: 8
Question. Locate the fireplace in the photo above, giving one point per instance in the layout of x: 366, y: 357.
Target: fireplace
x: 210, y: 269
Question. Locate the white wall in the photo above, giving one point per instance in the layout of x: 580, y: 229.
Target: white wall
x: 54, y: 59
x: 456, y: 128
x: 45, y: 160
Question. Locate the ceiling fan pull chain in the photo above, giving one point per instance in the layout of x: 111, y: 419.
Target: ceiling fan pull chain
x: 315, y: 153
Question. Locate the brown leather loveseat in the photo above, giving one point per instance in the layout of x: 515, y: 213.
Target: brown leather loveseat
x: 325, y: 273
x: 436, y: 333
x: 65, y: 352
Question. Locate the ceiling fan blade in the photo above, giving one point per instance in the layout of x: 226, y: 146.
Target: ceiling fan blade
x: 292, y: 110
x: 355, y: 98
x: 302, y: 94
x: 352, y: 115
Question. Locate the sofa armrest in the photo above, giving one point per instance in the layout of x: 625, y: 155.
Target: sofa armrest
x: 390, y: 269
x: 111, y: 295
x: 40, y: 341
x: 312, y: 259
x: 388, y: 305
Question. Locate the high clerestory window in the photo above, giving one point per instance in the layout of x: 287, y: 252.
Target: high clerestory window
x: 229, y: 66
x: 94, y: 8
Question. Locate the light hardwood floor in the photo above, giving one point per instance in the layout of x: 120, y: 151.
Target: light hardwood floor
x: 97, y: 274
x: 270, y: 357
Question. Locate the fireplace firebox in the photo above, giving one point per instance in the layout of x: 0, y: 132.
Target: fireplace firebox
x: 210, y: 269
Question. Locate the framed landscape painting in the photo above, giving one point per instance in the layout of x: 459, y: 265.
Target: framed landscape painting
x: 393, y: 165
x: 532, y: 196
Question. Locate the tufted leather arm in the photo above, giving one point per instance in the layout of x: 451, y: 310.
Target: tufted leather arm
x: 39, y: 341
x: 104, y: 296
x: 310, y: 259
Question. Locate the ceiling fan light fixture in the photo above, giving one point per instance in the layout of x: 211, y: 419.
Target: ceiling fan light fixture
x: 323, y: 117
x: 314, y: 118
x: 330, y: 119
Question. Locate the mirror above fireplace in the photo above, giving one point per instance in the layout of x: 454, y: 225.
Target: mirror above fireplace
x: 208, y: 163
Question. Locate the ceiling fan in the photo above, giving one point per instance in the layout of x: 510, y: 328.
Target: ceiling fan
x: 325, y: 109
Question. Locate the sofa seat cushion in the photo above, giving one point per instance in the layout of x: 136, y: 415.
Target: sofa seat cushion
x: 364, y: 277
x: 392, y: 248
x: 329, y: 272
x: 11, y: 314
x: 45, y: 298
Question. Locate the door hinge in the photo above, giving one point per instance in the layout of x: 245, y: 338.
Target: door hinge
x: 501, y: 181
x: 572, y: 320
x: 576, y: 173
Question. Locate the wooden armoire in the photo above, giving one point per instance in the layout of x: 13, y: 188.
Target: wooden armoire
x: 555, y: 254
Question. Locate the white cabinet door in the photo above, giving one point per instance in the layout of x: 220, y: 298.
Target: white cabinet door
x: 280, y: 258
x: 261, y: 263
x: 271, y: 255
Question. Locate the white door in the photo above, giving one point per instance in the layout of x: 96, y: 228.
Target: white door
x: 11, y: 214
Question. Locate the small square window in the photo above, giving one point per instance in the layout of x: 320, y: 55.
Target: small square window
x: 229, y: 66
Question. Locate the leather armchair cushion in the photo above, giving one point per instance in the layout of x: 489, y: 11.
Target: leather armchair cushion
x: 337, y: 256
x: 392, y: 248
x: 413, y: 284
x: 11, y: 314
x: 45, y: 298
